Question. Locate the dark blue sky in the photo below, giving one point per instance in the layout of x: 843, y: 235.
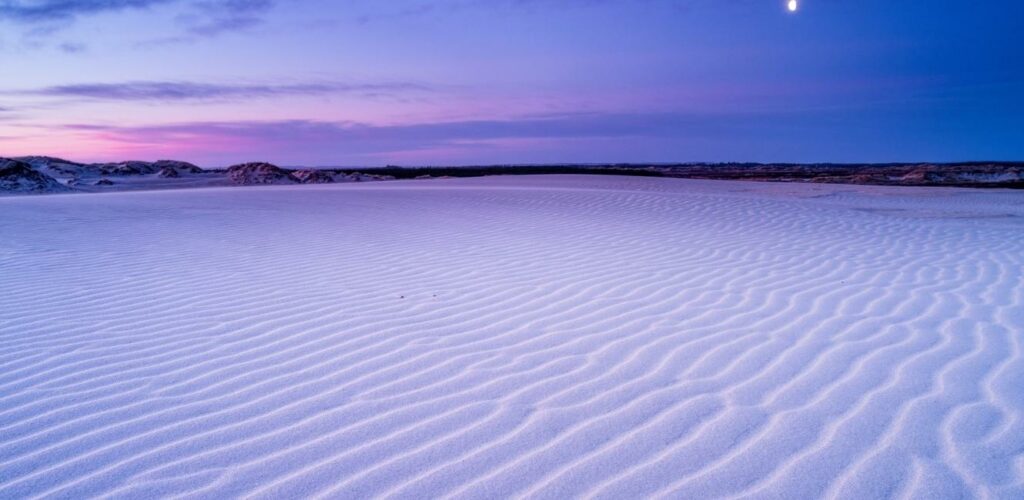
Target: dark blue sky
x: 498, y: 81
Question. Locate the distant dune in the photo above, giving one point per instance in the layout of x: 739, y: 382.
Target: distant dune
x: 45, y: 174
x: 20, y: 178
x: 168, y: 174
x: 540, y: 337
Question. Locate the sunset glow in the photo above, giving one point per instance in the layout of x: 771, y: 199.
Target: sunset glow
x: 423, y: 81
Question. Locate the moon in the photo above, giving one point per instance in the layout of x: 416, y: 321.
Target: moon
x: 793, y: 5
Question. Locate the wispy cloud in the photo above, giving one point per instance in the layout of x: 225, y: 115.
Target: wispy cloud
x: 72, y: 47
x: 193, y: 91
x: 7, y: 114
x: 212, y: 18
x: 541, y: 138
x: 554, y: 125
x: 419, y: 8
x: 64, y: 10
x: 198, y: 18
x: 316, y: 139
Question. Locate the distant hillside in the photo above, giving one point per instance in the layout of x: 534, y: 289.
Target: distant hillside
x: 968, y: 174
x: 19, y: 177
x: 44, y: 174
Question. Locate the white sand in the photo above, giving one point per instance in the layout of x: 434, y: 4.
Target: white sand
x: 558, y: 337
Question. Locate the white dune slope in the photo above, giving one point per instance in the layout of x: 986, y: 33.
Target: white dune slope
x: 549, y: 337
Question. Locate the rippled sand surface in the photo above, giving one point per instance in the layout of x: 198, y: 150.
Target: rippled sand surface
x: 547, y: 337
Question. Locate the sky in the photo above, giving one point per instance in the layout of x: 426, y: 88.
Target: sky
x: 463, y: 82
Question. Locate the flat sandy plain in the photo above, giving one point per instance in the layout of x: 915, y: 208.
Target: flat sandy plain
x: 547, y: 337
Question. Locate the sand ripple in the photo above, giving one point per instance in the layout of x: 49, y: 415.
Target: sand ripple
x: 547, y: 337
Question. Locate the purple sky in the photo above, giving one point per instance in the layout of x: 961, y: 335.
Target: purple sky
x: 372, y: 82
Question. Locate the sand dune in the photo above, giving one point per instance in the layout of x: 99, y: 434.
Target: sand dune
x: 548, y: 337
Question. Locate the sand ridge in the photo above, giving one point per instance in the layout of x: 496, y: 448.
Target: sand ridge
x: 548, y: 337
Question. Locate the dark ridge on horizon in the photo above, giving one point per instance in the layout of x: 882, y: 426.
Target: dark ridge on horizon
x: 1001, y: 163
x: 139, y: 174
x: 965, y: 174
